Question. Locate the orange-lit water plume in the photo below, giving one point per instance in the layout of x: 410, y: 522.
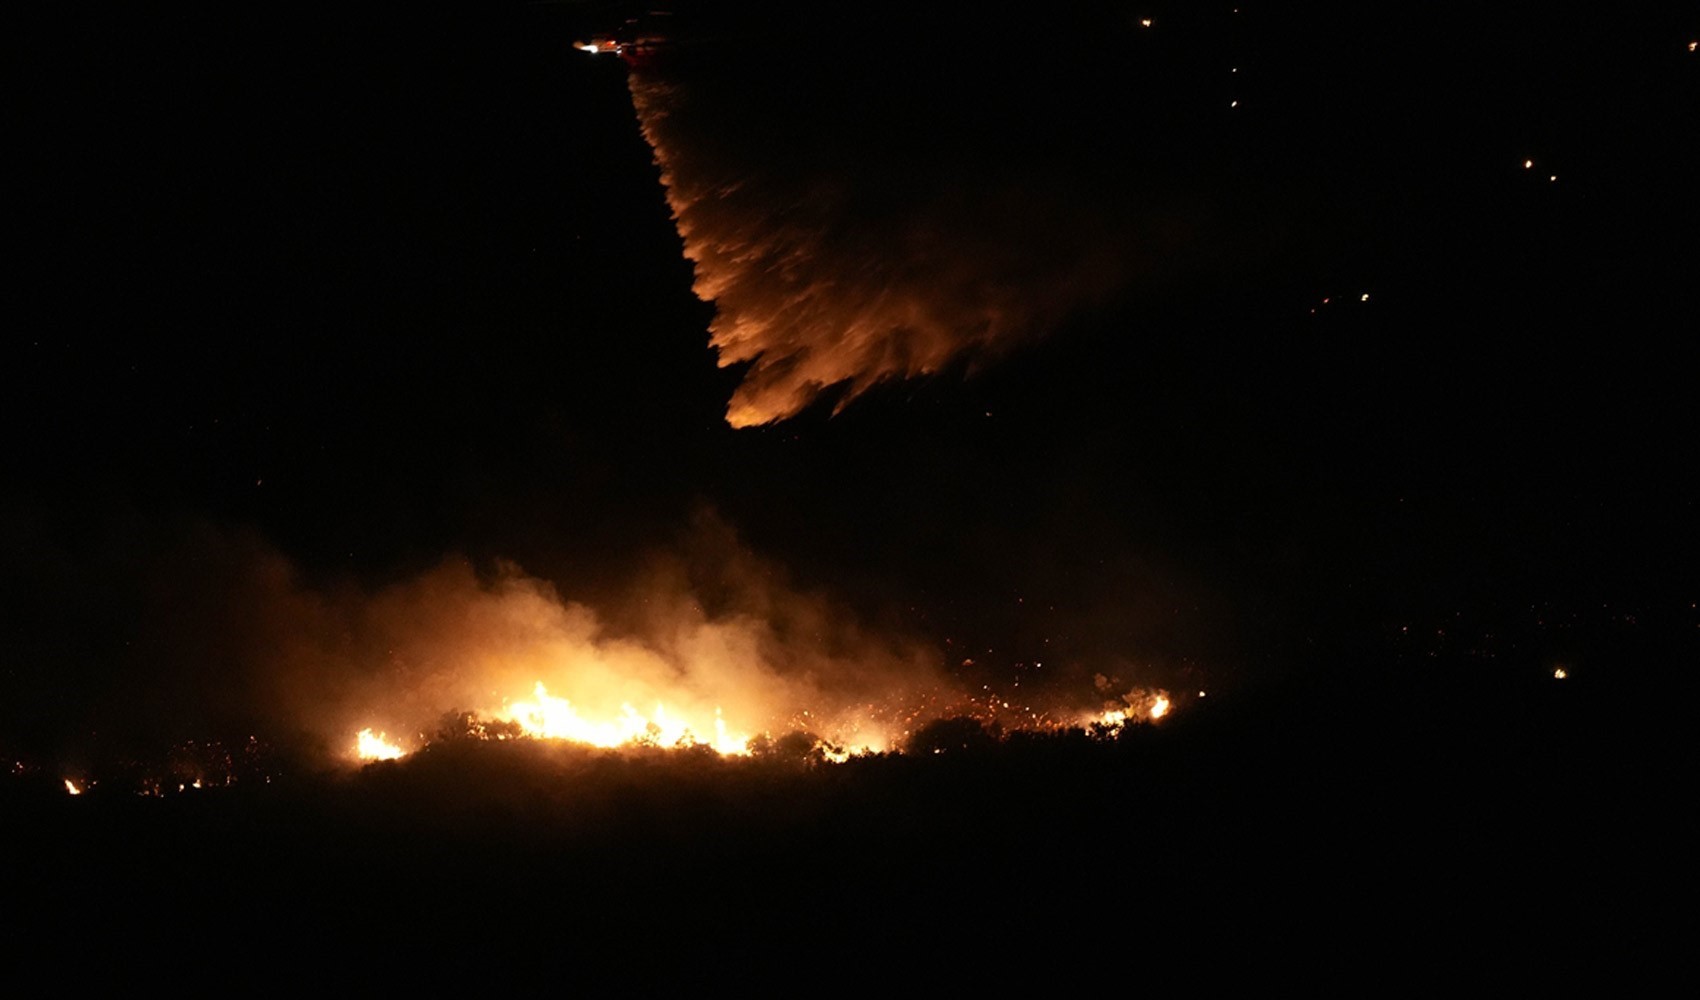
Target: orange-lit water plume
x: 821, y: 277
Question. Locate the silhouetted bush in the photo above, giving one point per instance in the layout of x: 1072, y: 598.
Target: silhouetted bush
x: 957, y: 735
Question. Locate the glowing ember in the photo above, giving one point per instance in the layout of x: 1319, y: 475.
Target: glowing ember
x: 374, y: 746
x: 71, y: 787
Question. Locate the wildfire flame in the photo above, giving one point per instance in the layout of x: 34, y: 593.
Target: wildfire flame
x: 71, y: 787
x: 375, y: 746
x: 1138, y: 705
x: 770, y: 672
x: 549, y: 717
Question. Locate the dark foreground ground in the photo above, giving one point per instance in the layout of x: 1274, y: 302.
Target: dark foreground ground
x: 1418, y: 824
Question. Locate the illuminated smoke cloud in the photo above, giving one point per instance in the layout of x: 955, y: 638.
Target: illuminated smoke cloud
x: 710, y: 631
x: 848, y: 235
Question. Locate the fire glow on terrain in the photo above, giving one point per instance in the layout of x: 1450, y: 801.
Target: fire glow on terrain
x: 547, y: 717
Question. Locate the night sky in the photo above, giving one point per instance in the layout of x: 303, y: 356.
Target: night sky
x: 385, y: 288
x: 1246, y: 349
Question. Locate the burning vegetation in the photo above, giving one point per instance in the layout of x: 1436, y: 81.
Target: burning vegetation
x: 978, y: 723
x: 257, y: 672
x: 532, y: 728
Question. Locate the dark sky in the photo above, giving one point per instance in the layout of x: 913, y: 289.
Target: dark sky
x: 380, y: 287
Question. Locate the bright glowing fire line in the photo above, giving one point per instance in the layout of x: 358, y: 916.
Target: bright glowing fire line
x: 375, y: 746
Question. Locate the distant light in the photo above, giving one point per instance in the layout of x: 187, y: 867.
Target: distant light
x: 1145, y: 22
x: 1528, y: 164
x: 1364, y: 297
x: 1554, y: 177
x: 1692, y: 46
x: 71, y: 787
x: 1559, y: 673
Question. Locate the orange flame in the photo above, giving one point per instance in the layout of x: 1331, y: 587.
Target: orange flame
x: 549, y: 717
x: 375, y: 746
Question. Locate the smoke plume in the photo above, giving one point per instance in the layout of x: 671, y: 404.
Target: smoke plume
x: 229, y: 634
